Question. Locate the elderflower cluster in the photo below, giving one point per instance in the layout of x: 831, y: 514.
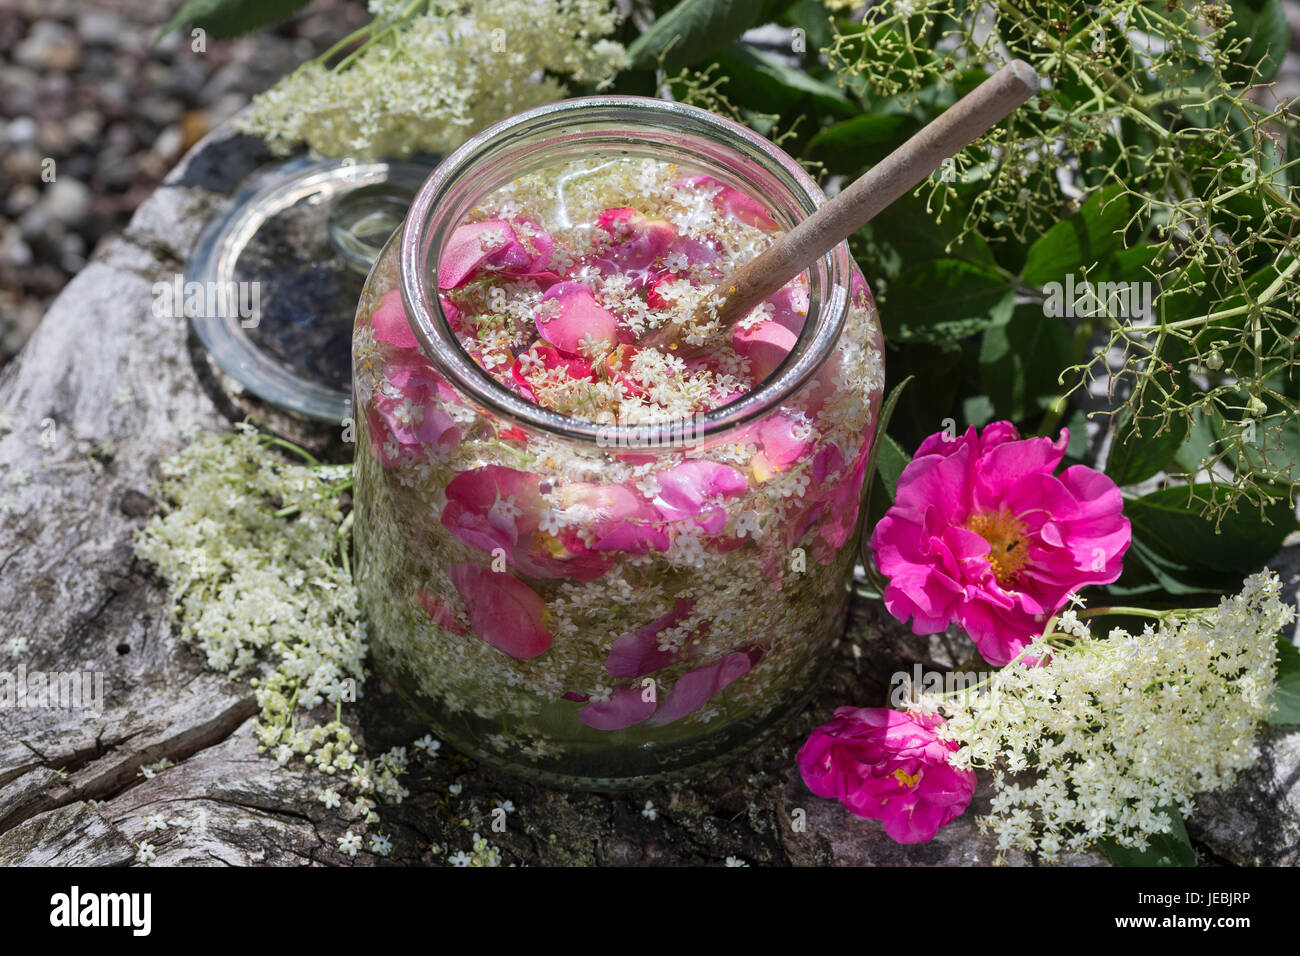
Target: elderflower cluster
x: 1109, y: 736
x: 428, y: 79
x: 249, y: 545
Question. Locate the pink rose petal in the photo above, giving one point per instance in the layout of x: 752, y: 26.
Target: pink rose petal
x: 637, y: 653
x: 575, y: 318
x: 696, y: 688
x: 733, y: 202
x: 686, y: 489
x: 390, y: 324
x: 503, y: 611
x: 441, y: 614
x: 624, y: 709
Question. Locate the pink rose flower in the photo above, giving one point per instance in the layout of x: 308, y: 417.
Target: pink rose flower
x: 888, y: 766
x: 982, y: 533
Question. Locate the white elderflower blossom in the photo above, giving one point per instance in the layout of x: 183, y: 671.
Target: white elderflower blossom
x: 429, y: 78
x: 349, y: 843
x: 249, y: 584
x: 1108, y: 737
x: 148, y: 771
x: 144, y: 852
x: 253, y: 548
x: 428, y: 745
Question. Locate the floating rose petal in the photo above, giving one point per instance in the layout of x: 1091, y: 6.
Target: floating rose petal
x: 686, y: 490
x: 441, y: 614
x: 733, y: 202
x: 521, y: 249
x: 696, y: 688
x: 497, y: 507
x: 503, y: 611
x: 390, y: 324
x: 784, y: 440
x: 624, y: 709
x: 638, y: 241
x: 616, y: 518
x: 637, y: 653
x: 488, y: 507
x: 575, y: 319
x: 768, y: 343
x: 548, y: 357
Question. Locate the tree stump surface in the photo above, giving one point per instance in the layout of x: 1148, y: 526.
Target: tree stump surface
x: 114, y: 386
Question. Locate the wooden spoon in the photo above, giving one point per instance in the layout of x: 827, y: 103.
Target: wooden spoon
x: 837, y: 219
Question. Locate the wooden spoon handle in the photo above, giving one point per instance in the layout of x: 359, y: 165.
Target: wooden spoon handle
x: 902, y: 170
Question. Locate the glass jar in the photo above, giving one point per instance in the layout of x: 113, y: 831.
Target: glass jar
x: 605, y: 605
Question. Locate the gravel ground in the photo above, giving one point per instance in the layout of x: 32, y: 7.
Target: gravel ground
x: 81, y: 85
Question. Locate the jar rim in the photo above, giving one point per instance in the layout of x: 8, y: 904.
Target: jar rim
x: 815, y: 344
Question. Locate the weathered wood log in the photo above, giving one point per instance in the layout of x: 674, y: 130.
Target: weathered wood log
x: 98, y: 397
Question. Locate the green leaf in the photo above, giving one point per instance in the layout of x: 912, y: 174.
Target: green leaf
x: 1020, y: 360
x: 1163, y: 849
x: 1171, y: 526
x: 890, y: 464
x: 228, y: 18
x: 944, y: 300
x: 1262, y: 25
x: 815, y: 21
x: 906, y: 234
x: 854, y: 144
x: 886, y: 454
x: 1137, y: 452
x: 692, y: 31
x: 756, y: 79
x: 1147, y: 570
x: 1198, y: 445
x: 1286, y: 696
x: 1091, y: 235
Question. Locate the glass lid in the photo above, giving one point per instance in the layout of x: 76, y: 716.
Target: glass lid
x: 272, y: 287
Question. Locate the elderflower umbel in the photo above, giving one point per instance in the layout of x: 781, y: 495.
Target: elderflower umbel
x: 1109, y: 736
x: 427, y: 82
x: 248, y: 542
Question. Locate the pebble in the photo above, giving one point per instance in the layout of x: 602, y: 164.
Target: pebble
x: 84, y: 85
x: 21, y: 130
x: 49, y: 45
x: 97, y: 28
x: 67, y: 201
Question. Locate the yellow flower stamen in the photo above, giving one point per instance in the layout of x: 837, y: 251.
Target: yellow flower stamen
x: 1008, y: 547
x: 906, y: 780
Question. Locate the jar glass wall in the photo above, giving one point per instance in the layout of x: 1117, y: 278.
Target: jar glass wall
x: 586, y: 600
